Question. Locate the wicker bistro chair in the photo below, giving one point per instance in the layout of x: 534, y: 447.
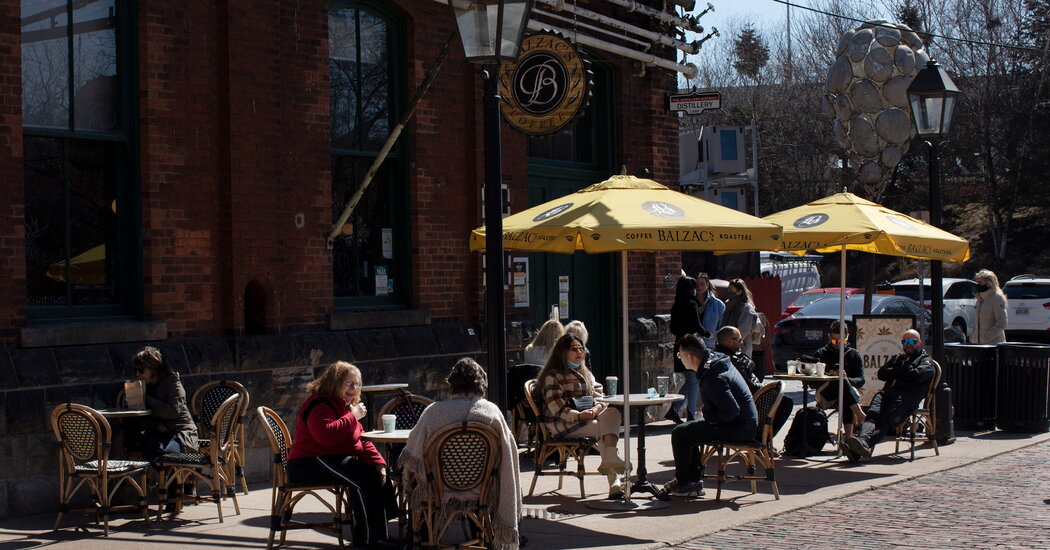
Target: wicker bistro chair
x: 285, y: 494
x: 178, y: 468
x: 560, y: 448
x: 205, y: 401
x: 521, y: 413
x: 760, y: 451
x: 85, y: 437
x: 406, y: 406
x: 924, y: 417
x: 461, y: 458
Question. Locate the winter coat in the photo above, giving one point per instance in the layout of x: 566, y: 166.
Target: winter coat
x: 169, y: 414
x: 991, y: 318
x: 726, y: 397
x: 329, y: 427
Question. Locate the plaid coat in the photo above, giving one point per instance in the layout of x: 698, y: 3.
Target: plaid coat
x: 556, y: 393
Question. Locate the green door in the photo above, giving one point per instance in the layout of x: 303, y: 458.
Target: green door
x: 559, y: 165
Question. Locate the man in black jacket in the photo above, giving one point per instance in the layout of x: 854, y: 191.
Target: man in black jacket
x: 828, y: 393
x: 730, y: 343
x: 729, y: 414
x: 907, y: 376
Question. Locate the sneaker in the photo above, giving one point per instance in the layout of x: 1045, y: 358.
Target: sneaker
x: 684, y: 490
x: 859, y: 446
x: 616, y: 489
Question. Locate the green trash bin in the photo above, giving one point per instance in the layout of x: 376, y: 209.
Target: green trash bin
x: 970, y: 371
x: 1023, y: 389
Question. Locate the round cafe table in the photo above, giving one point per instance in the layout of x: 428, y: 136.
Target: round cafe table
x: 123, y: 413
x: 639, y: 402
x: 379, y: 436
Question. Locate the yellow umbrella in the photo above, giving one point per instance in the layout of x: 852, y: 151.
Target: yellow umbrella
x: 826, y: 224
x: 629, y: 213
x: 845, y: 221
x: 625, y: 213
x: 86, y: 268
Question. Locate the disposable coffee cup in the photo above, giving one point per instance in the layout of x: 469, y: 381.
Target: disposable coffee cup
x: 792, y: 365
x: 661, y: 385
x: 610, y: 385
x: 820, y: 369
x: 389, y: 422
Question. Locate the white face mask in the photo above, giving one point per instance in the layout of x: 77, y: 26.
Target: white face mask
x: 573, y: 365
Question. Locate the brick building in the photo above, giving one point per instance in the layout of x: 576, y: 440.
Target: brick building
x: 172, y: 171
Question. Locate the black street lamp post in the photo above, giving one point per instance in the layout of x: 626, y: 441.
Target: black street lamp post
x: 492, y: 31
x: 932, y: 95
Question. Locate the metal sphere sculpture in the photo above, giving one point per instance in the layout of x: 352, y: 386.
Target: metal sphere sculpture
x: 866, y: 95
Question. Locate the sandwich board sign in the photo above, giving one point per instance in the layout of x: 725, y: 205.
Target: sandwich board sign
x: 694, y: 102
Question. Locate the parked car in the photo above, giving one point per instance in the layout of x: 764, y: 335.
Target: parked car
x: 960, y: 300
x: 810, y: 296
x: 806, y: 331
x: 1028, y: 308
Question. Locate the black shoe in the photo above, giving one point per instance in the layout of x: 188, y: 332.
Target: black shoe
x: 189, y: 489
x: 859, y: 446
x: 848, y: 453
x: 672, y: 415
x: 385, y: 544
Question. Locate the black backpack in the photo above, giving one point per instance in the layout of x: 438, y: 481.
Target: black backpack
x: 816, y: 433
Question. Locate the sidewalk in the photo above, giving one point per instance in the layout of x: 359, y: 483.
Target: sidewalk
x: 553, y: 520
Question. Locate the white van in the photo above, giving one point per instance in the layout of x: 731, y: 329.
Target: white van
x: 797, y: 273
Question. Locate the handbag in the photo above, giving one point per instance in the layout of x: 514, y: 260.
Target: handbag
x: 583, y: 402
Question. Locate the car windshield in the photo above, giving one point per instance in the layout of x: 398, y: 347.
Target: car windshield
x: 1028, y: 291
x: 912, y: 291
x: 854, y: 305
x: 806, y: 299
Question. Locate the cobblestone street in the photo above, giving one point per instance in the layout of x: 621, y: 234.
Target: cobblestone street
x: 1002, y: 502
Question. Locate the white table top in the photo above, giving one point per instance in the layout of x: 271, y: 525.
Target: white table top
x: 379, y: 436
x: 640, y: 399
x: 806, y: 378
x: 384, y: 387
x: 124, y: 413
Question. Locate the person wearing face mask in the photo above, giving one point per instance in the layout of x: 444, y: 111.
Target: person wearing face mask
x: 907, y: 376
x: 685, y: 319
x: 991, y: 309
x: 564, y: 377
x: 740, y: 311
x: 827, y: 396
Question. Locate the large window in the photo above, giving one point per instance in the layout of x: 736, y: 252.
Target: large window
x: 79, y: 175
x: 370, y: 258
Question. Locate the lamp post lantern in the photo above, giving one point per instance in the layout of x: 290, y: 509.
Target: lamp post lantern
x: 932, y: 96
x: 492, y: 31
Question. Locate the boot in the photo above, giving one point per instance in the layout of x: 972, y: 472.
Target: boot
x: 672, y: 415
x: 615, y: 486
x: 611, y: 461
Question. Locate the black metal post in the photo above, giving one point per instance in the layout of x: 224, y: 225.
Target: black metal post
x: 936, y: 275
x: 495, y: 313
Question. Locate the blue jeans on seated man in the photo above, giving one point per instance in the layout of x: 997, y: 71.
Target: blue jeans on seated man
x: 154, y: 445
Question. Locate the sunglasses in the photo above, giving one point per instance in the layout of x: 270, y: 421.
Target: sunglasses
x: 909, y: 342
x: 836, y: 339
x: 577, y: 349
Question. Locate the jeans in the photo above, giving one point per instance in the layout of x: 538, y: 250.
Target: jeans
x: 691, y: 391
x: 154, y: 445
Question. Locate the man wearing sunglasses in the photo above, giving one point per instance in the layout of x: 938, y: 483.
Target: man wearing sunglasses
x: 907, y: 376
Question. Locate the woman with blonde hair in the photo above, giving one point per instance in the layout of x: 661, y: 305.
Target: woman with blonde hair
x: 537, y: 350
x: 328, y: 449
x: 991, y: 309
x: 563, y: 388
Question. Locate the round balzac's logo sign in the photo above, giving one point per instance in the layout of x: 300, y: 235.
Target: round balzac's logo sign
x: 547, y: 87
x: 811, y: 220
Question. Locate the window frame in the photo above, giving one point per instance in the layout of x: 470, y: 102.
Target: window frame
x: 396, y: 163
x: 128, y: 180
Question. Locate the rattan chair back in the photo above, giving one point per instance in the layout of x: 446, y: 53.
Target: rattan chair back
x: 407, y: 407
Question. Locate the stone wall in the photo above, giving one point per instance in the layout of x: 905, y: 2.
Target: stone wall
x: 274, y: 368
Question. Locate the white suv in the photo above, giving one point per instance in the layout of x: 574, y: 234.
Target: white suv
x: 1028, y: 308
x: 960, y: 300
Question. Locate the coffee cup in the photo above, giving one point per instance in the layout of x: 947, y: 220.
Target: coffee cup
x: 389, y: 422
x: 610, y: 385
x: 792, y: 367
x: 661, y: 385
x: 820, y: 369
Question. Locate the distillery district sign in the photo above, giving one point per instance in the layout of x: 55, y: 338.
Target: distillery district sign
x: 547, y: 87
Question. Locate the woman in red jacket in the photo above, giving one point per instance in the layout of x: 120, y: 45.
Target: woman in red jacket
x: 328, y: 450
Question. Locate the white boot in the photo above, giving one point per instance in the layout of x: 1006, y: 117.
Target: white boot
x: 611, y: 461
x: 615, y: 486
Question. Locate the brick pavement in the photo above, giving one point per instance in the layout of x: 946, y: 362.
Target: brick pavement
x: 1001, y: 502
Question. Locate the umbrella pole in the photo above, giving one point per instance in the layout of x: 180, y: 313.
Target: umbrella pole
x: 842, y: 347
x: 626, y: 380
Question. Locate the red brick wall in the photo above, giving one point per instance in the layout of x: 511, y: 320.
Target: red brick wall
x: 12, y: 221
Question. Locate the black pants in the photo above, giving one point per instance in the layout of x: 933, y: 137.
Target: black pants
x: 888, y: 409
x: 686, y: 437
x: 850, y: 397
x: 372, y: 503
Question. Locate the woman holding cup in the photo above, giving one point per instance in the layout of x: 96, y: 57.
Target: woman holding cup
x: 328, y: 449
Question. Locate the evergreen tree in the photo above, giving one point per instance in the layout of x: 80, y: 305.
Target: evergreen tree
x: 750, y: 53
